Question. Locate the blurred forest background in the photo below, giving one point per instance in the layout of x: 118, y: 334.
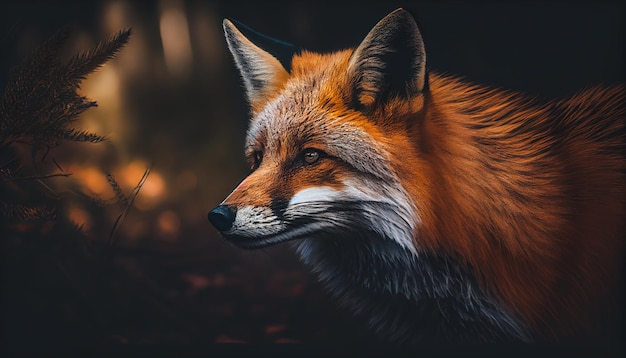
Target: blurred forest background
x: 172, y: 101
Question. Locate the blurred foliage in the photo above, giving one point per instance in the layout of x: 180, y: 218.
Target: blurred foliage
x: 39, y: 105
x: 51, y: 271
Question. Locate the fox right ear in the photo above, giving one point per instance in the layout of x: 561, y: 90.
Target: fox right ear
x: 262, y: 73
x: 390, y: 61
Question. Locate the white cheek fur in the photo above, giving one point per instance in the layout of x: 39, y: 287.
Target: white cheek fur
x: 396, y: 219
x: 317, y: 193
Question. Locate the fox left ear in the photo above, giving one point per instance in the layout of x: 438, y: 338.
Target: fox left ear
x: 263, y: 72
x: 390, y: 61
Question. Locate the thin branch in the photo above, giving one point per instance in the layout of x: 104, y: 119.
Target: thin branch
x: 36, y: 177
x: 57, y: 165
x: 140, y: 184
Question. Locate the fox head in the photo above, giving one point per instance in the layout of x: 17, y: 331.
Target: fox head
x: 326, y: 140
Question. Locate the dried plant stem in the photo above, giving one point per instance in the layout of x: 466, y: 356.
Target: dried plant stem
x: 128, y: 202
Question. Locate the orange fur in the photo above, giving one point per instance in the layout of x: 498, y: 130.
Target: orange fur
x: 533, y: 198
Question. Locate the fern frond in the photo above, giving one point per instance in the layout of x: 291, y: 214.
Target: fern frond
x: 84, y: 63
x: 83, y: 136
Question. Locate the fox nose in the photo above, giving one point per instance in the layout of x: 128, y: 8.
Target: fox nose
x: 222, y: 217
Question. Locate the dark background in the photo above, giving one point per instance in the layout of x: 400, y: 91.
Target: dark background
x: 188, y: 124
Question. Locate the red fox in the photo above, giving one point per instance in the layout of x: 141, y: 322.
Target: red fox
x: 436, y: 209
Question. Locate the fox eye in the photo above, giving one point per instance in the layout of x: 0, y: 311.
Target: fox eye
x: 257, y: 157
x: 311, y: 155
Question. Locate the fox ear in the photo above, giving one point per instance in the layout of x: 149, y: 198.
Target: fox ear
x: 262, y: 72
x: 390, y: 61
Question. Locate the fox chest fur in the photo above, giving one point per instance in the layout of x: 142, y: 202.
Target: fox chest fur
x: 437, y: 210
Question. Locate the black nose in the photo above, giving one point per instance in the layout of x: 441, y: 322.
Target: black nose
x: 222, y: 217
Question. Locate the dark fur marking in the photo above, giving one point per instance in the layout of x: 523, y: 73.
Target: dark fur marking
x: 278, y: 206
x: 428, y: 300
x: 407, y: 299
x: 281, y: 50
